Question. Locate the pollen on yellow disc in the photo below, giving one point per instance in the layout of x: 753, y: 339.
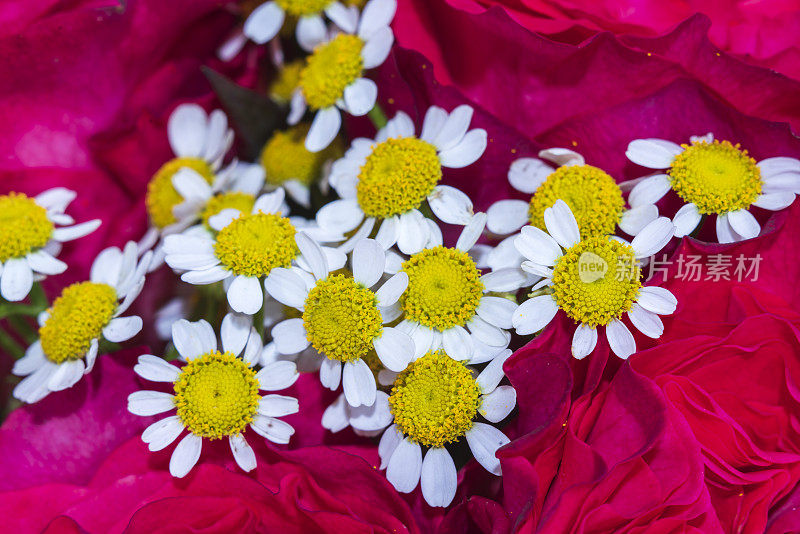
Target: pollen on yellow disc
x: 285, y: 157
x: 592, y: 195
x: 341, y: 318
x: 254, y: 244
x: 24, y: 226
x: 444, y: 288
x: 162, y: 196
x: 435, y: 400
x: 299, y: 8
x: 231, y: 200
x: 596, y: 280
x: 397, y: 176
x: 76, y: 318
x: 717, y: 177
x: 216, y: 395
x: 330, y: 69
x: 286, y: 80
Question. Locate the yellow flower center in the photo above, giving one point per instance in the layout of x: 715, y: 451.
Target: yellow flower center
x: 285, y: 157
x: 592, y: 195
x: 253, y: 245
x: 596, y: 280
x: 232, y: 200
x: 435, y: 400
x: 286, y: 81
x: 24, y: 226
x: 76, y: 318
x: 717, y: 177
x: 216, y: 395
x: 330, y: 68
x: 444, y: 288
x: 299, y: 8
x: 397, y: 176
x: 341, y: 318
x: 162, y: 196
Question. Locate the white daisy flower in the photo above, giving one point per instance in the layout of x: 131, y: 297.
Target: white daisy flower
x: 216, y: 393
x: 592, y: 195
x: 71, y: 329
x: 594, y: 280
x: 448, y: 304
x: 245, y: 249
x: 266, y: 21
x: 713, y: 178
x: 343, y: 319
x: 436, y: 401
x: 333, y: 76
x: 199, y: 142
x: 384, y: 182
x: 31, y: 233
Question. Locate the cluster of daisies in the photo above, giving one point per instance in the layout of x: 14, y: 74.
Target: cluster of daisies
x: 367, y: 292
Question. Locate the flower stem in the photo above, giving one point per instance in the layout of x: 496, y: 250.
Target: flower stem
x: 8, y: 344
x: 377, y: 116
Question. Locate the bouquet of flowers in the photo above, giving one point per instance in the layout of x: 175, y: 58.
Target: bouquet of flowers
x: 400, y: 266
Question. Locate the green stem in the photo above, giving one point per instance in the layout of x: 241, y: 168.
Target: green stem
x: 8, y: 344
x: 23, y: 327
x: 377, y: 116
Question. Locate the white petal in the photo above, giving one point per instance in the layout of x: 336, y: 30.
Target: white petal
x: 340, y: 215
x: 471, y: 232
x: 156, y: 369
x: 218, y: 138
x: 330, y: 373
x: 562, y: 156
x: 423, y: 340
x: 323, y: 129
x: 56, y: 199
x: 534, y: 314
x: 497, y: 311
x: 297, y: 107
x: 358, y: 383
x: 190, y: 185
x: 584, y: 340
x: 527, y: 174
x: 277, y: 375
x: 507, y: 279
x: 634, y: 219
x: 775, y: 201
x: 686, y: 220
x: 242, y: 452
x: 66, y: 375
x: 42, y: 262
x: 405, y: 466
x: 185, y: 455
x: 91, y: 355
x: 310, y: 32
x: 369, y: 259
x: 561, y: 224
x: 536, y: 245
x: 290, y: 336
x: 346, y: 19
x: 492, y: 374
x: 394, y: 348
x: 657, y: 300
x: 498, y: 404
x: 313, y: 255
x: 275, y: 430
x: 744, y: 224
x: 772, y: 166
x: 620, y: 339
x: 234, y: 332
x: 648, y: 323
x: 264, y: 22
x: 653, y: 237
x: 376, y: 14
x: 391, y: 290
x: 454, y: 128
x: 388, y: 443
x: 286, y: 287
x: 387, y: 233
x: 360, y: 97
x: 371, y: 418
x: 34, y: 359
x: 413, y: 232
x: 466, y: 152
x: 335, y: 417
x: 507, y: 216
x: 34, y: 388
x: 122, y: 328
x: 106, y: 267
x: 207, y: 276
x: 433, y: 123
x: 162, y: 433
x: 782, y: 182
x: 363, y: 232
x: 245, y: 295
x: 487, y: 333
x: 484, y: 440
x: 16, y: 280
x: 186, y: 130
x: 649, y: 191
x: 377, y: 48
x: 278, y: 405
x: 457, y: 343
x: 270, y: 202
x: 725, y: 233
x: 438, y: 477
x: 188, y: 340
x: 450, y: 205
x: 653, y: 153
x: 150, y: 402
